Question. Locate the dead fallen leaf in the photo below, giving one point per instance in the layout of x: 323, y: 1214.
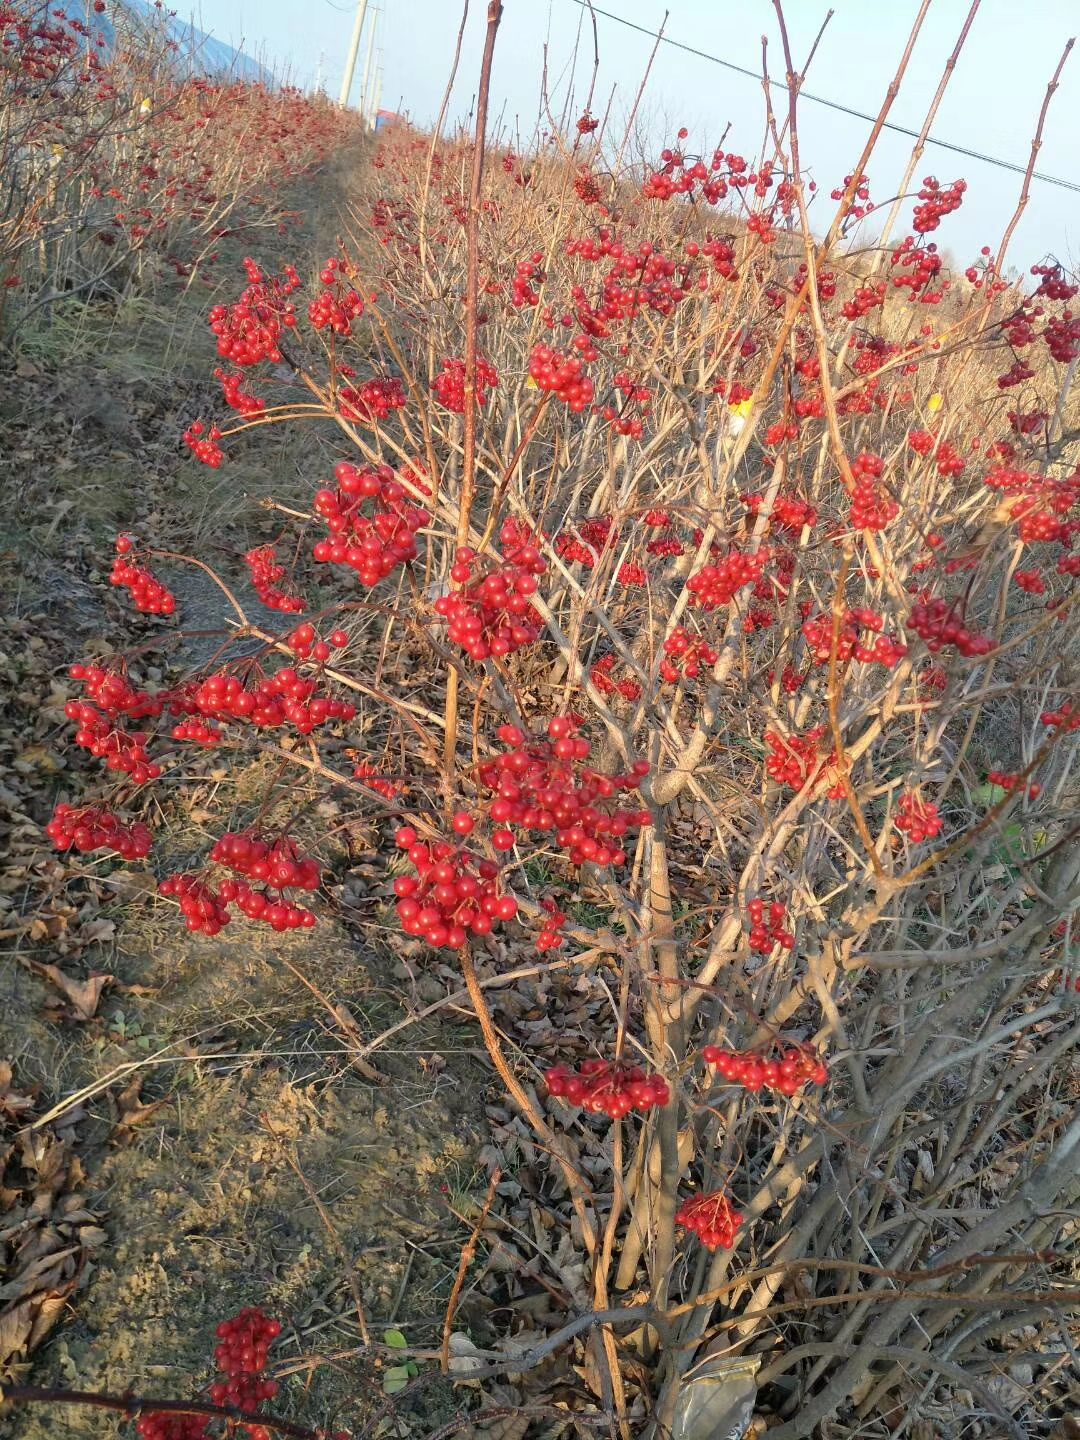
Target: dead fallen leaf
x: 96, y: 932
x: 46, y: 1229
x: 49, y: 1310
x: 15, y: 1327
x: 508, y: 1427
x: 83, y: 995
x: 131, y: 1111
x: 36, y: 758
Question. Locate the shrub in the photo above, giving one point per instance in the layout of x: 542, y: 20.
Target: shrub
x: 676, y: 554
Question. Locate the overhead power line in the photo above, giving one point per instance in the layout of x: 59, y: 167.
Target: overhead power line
x: 831, y: 104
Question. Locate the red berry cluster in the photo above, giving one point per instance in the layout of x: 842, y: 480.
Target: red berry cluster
x: 630, y: 425
x: 712, y: 1219
x: 798, y: 1065
x: 861, y: 192
x: 603, y: 679
x: 449, y: 385
x: 597, y: 534
x: 241, y: 1356
x: 779, y: 432
x: 564, y: 376
x: 266, y: 906
x: 932, y: 682
x: 275, y: 862
x: 1010, y: 782
x: 587, y: 187
x: 114, y: 693
x: 493, y: 615
x: 1052, y: 282
x: 792, y: 759
x: 788, y: 512
x: 918, y: 819
x: 331, y: 312
x: 666, y: 546
x: 1030, y: 581
x: 871, y: 507
x: 306, y: 643
x: 167, y: 1425
x: 284, y: 698
x: 1016, y: 374
x: 541, y: 784
x: 206, y: 910
x: 631, y: 575
x: 108, y: 696
x: 529, y: 275
x: 1066, y: 717
x: 679, y: 174
x: 1027, y: 422
x: 883, y: 650
x: 374, y: 400
x: 767, y: 927
x: 234, y: 394
x: 917, y: 267
x: 373, y: 545
x: 1037, y: 524
x: 684, y: 657
x: 203, y: 909
x: 791, y: 680
x: 266, y: 575
x: 605, y: 1088
x: 339, y: 304
x: 148, y: 594
x: 203, y: 444
x: 864, y: 299
x: 949, y: 462
x: 198, y: 732
x: 718, y: 583
x: 939, y: 623
x: 586, y: 123
x: 94, y: 828
x: 735, y: 394
x: 375, y: 780
x: 454, y: 893
x: 554, y: 919
x: 1062, y: 337
x: 248, y: 331
x: 937, y: 201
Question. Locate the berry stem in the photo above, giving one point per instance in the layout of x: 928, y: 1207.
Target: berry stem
x: 133, y: 1406
x: 472, y: 299
x: 576, y: 1185
x: 468, y: 1254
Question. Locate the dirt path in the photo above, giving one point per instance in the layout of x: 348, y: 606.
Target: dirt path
x: 222, y: 1146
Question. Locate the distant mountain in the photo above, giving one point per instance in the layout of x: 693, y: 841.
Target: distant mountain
x: 203, y: 53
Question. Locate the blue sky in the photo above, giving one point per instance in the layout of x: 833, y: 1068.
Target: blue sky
x: 991, y: 105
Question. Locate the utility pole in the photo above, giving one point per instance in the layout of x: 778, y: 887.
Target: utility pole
x: 354, y: 51
x: 378, y: 98
x: 365, y: 93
